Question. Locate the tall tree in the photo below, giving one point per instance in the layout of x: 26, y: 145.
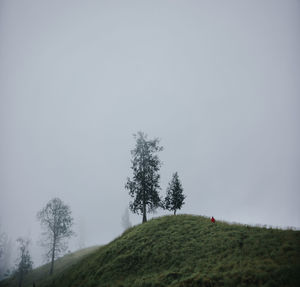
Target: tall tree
x: 25, y: 263
x: 144, y: 186
x: 57, y: 221
x: 175, y: 197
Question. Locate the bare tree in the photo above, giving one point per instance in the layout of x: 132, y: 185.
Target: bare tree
x: 25, y: 263
x: 57, y: 221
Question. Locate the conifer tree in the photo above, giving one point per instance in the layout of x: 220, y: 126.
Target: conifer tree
x: 144, y: 186
x: 175, y: 197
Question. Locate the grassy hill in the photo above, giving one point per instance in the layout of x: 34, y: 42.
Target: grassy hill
x: 41, y: 274
x: 186, y: 250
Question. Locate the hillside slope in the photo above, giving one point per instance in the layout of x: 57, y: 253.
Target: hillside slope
x: 186, y: 250
x: 41, y: 274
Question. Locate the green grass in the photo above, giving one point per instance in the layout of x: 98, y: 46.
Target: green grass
x: 187, y: 250
x: 41, y: 274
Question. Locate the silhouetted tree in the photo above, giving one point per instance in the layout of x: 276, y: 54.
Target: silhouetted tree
x: 24, y: 263
x: 175, y: 197
x: 57, y: 221
x: 144, y: 185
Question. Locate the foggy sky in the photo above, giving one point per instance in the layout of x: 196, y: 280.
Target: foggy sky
x: 217, y: 81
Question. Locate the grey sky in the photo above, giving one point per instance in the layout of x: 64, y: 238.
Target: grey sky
x: 217, y: 81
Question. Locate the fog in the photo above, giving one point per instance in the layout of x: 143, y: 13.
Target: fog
x: 216, y: 81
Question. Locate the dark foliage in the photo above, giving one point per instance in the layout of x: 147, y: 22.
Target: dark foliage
x: 175, y: 197
x: 144, y: 186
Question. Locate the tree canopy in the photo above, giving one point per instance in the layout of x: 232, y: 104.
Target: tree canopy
x: 144, y: 185
x: 175, y: 197
x: 56, y: 218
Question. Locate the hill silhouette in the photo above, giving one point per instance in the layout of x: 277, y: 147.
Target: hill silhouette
x: 187, y: 250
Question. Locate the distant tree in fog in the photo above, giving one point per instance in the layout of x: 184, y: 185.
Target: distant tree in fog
x: 125, y: 219
x: 81, y: 233
x: 175, y: 197
x: 144, y: 185
x: 3, y: 239
x: 57, y: 221
x: 25, y: 263
x: 5, y: 255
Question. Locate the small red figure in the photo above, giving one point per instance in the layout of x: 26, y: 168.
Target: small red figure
x: 213, y: 220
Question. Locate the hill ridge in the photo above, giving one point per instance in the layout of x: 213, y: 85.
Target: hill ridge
x: 189, y: 250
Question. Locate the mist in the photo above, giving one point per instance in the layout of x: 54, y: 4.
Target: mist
x: 218, y: 83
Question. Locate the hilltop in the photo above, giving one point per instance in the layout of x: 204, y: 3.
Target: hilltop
x: 187, y: 250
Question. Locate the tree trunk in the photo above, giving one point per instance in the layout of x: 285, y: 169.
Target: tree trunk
x: 144, y: 207
x: 144, y: 213
x: 175, y: 212
x: 52, y: 257
x: 144, y: 218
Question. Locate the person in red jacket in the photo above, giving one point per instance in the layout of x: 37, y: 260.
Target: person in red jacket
x: 213, y: 220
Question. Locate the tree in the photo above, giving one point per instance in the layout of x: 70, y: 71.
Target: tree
x: 126, y: 220
x: 3, y: 240
x: 25, y: 262
x: 56, y: 219
x: 5, y: 254
x: 144, y: 186
x: 175, y: 197
x: 81, y: 233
